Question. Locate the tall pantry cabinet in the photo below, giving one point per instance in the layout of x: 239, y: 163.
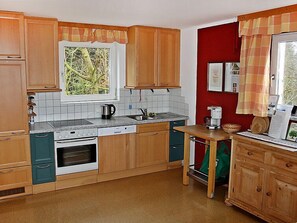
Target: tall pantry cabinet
x: 15, y: 169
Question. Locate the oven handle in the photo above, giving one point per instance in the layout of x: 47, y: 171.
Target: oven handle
x: 76, y: 140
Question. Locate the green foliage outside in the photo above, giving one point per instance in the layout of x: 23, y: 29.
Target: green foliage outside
x: 86, y: 70
x: 290, y: 74
x: 293, y: 134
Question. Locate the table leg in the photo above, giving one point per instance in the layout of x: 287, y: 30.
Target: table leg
x: 186, y: 159
x: 212, y: 169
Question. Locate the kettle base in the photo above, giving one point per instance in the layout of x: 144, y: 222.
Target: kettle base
x: 106, y: 116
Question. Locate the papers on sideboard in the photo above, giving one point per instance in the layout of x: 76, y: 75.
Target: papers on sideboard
x: 279, y: 123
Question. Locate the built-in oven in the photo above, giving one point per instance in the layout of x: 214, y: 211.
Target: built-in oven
x: 76, y: 151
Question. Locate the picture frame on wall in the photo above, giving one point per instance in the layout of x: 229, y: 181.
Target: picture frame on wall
x: 231, y: 77
x: 215, y: 77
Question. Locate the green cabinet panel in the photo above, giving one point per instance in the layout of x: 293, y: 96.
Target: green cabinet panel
x: 42, y: 147
x: 176, y: 142
x: 176, y: 153
x: 43, y: 173
x: 177, y: 123
x: 176, y: 137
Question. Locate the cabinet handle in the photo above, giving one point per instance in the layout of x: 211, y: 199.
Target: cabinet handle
x: 155, y: 134
x: 50, y: 86
x: 250, y: 153
x: 289, y: 165
x: 41, y: 136
x: 6, y: 139
x: 173, y: 147
x: 14, y: 57
x: 174, y: 131
x: 6, y: 171
x: 43, y: 167
x: 18, y: 132
x: 259, y: 188
x: 268, y: 194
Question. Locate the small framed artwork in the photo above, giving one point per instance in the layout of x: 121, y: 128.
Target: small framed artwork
x: 215, y: 77
x: 231, y: 77
x: 292, y: 133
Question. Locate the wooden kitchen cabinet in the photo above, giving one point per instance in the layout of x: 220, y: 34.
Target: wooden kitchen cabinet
x: 152, y: 58
x: 116, y: 153
x: 12, y: 44
x: 14, y: 114
x: 41, y: 36
x: 263, y: 179
x: 14, y: 151
x: 152, y: 144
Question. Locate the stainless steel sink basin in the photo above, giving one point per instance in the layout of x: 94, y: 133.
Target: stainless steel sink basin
x: 140, y: 117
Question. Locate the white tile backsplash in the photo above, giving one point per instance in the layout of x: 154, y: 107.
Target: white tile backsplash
x: 49, y: 106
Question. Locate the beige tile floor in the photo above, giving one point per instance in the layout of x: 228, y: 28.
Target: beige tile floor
x: 158, y: 197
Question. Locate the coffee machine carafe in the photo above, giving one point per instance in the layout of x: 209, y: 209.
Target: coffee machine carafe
x: 216, y: 115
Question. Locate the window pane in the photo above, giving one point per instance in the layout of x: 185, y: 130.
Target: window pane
x: 87, y: 70
x: 287, y: 72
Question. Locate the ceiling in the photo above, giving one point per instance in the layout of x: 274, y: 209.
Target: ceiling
x: 164, y: 13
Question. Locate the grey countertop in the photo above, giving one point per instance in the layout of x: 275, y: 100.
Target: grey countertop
x: 41, y: 127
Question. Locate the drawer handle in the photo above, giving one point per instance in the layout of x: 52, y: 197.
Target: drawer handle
x: 289, y: 165
x: 6, y: 171
x: 259, y: 188
x: 44, y: 166
x: 155, y: 134
x: 173, y: 147
x: 49, y: 86
x: 6, y: 139
x: 174, y: 131
x: 14, y: 57
x: 41, y: 136
x: 268, y: 194
x: 250, y: 153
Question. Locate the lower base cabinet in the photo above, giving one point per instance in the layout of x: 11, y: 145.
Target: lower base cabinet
x: 263, y: 180
x: 176, y: 142
x: 43, y: 173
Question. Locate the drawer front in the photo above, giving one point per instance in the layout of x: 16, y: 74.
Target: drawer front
x: 43, y: 173
x: 42, y: 148
x: 249, y: 151
x: 284, y: 162
x: 176, y: 152
x: 14, y: 151
x: 154, y: 127
x: 15, y: 177
x: 176, y: 137
x: 177, y: 123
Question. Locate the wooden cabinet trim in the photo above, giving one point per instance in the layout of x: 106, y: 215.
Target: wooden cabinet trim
x: 153, y: 127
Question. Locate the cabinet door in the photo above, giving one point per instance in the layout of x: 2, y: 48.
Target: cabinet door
x: 42, y: 54
x: 42, y: 147
x: 151, y: 148
x: 12, y: 44
x: 14, y: 151
x: 43, y: 173
x: 146, y: 56
x: 168, y: 58
x: 116, y: 153
x: 15, y: 177
x: 247, y: 180
x: 281, y: 196
x: 13, y: 113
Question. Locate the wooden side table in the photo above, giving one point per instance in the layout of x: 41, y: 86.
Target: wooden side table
x: 211, y: 136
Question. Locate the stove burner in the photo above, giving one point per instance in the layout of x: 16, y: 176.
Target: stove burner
x: 67, y: 123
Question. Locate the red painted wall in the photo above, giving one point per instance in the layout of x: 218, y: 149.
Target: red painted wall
x: 217, y: 44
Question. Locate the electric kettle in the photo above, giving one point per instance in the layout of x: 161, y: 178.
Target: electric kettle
x: 107, y: 111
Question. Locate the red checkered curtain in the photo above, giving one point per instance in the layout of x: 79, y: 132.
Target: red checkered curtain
x: 76, y: 34
x: 255, y: 60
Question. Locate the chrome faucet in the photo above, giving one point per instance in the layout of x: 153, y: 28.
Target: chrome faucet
x: 143, y: 111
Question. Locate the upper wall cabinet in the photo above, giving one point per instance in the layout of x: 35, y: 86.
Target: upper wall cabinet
x: 12, y: 45
x: 153, y: 58
x: 41, y: 35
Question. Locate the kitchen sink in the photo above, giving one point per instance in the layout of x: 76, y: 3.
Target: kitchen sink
x: 143, y: 117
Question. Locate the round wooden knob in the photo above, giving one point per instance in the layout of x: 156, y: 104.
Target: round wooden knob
x: 289, y: 165
x: 259, y: 188
x: 268, y: 194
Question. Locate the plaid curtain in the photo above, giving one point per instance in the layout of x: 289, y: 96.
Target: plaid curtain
x: 255, y: 60
x: 75, y: 34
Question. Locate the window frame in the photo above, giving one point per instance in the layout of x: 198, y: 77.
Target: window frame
x: 113, y: 95
x: 276, y: 39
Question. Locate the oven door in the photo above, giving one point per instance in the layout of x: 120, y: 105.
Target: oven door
x: 76, y: 155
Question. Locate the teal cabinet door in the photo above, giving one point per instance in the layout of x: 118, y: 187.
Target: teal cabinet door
x: 176, y: 142
x: 43, y: 173
x: 176, y: 152
x: 42, y: 147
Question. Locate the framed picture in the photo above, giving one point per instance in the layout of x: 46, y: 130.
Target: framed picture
x: 231, y: 77
x: 292, y: 133
x: 215, y: 77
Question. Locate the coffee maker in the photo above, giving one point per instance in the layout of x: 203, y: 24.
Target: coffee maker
x: 216, y: 115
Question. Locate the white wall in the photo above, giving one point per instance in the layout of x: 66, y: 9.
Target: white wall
x: 188, y: 69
